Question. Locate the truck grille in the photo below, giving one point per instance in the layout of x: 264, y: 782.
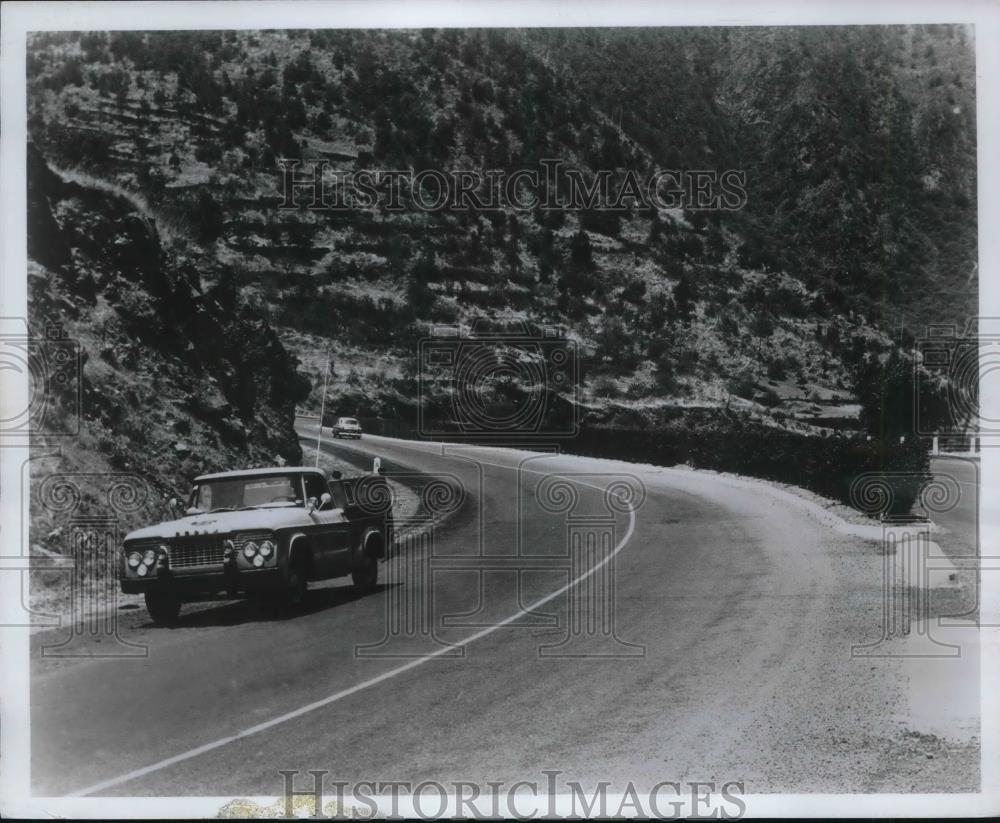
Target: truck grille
x: 189, y: 551
x: 196, y: 550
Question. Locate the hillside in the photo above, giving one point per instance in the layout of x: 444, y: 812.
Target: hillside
x: 858, y: 230
x: 176, y: 377
x: 859, y: 144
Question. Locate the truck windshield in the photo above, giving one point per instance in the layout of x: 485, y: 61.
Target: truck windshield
x: 247, y: 492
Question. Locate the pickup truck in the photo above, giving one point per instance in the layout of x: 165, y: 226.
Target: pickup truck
x: 260, y: 532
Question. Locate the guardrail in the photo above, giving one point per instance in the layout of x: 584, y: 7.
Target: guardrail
x: 963, y: 445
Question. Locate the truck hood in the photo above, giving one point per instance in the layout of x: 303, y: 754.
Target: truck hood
x: 249, y: 520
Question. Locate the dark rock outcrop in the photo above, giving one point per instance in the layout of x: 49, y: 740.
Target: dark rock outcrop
x: 167, y: 358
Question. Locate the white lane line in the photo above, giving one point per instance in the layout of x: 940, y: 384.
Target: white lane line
x: 333, y: 698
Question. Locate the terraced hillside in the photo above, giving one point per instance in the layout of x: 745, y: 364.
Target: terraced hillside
x: 858, y: 227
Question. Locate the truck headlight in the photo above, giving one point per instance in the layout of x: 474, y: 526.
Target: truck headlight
x: 250, y: 549
x: 266, y: 549
x: 258, y: 561
x: 142, y: 571
x: 149, y: 557
x: 134, y: 559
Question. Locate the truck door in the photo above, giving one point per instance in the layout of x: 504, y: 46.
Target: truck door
x: 329, y: 538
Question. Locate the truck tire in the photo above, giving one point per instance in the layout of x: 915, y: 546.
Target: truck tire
x: 365, y: 577
x: 294, y: 596
x: 163, y: 605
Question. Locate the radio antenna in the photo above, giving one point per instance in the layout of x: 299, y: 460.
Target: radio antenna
x: 322, y: 406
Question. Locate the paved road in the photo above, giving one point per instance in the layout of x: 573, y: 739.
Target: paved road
x: 961, y: 521
x: 724, y: 654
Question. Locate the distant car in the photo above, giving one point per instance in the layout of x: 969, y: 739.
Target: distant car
x: 346, y: 427
x: 260, y: 532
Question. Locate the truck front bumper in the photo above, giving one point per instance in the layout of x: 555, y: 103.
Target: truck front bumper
x: 209, y: 581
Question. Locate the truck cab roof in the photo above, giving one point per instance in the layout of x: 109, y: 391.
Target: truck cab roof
x: 262, y: 472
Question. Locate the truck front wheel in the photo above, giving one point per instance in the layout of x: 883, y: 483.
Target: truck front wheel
x: 163, y: 605
x: 294, y: 596
x: 365, y: 576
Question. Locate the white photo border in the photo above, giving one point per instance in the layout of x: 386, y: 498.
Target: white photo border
x: 19, y: 18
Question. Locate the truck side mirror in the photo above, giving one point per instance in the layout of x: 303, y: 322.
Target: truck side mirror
x: 325, y: 500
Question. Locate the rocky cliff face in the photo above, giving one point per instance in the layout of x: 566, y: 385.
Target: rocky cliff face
x: 175, y: 377
x: 860, y: 227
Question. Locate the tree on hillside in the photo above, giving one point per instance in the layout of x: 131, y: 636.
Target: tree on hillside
x: 762, y: 327
x: 542, y: 245
x: 581, y: 256
x: 425, y: 271
x: 684, y: 298
x: 601, y: 221
x: 578, y: 281
x: 655, y: 227
x: 208, y: 218
x: 885, y: 390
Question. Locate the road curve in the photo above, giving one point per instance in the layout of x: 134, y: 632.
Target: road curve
x: 707, y: 638
x: 961, y: 520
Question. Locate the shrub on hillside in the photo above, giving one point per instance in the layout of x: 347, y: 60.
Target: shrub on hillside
x: 742, y: 386
x: 605, y: 386
x: 768, y: 397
